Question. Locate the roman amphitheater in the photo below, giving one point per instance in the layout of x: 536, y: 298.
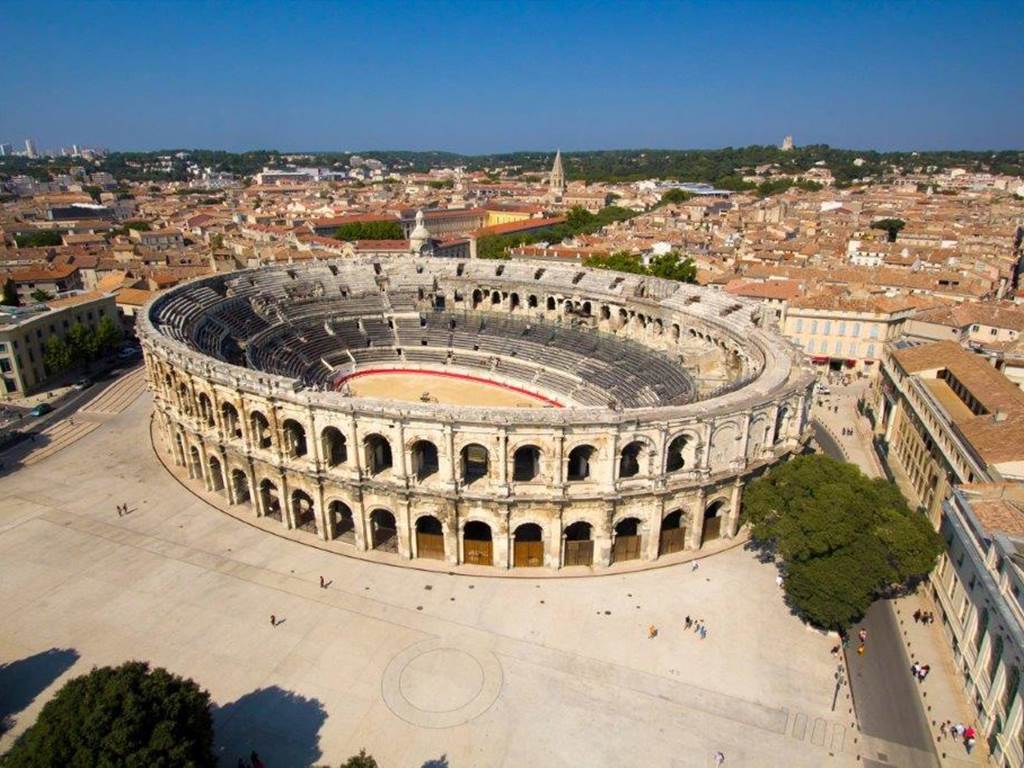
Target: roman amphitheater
x: 503, y: 414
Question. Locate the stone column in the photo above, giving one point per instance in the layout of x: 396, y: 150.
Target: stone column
x: 287, y: 516
x: 696, y: 532
x: 732, y: 520
x: 553, y: 544
x: 360, y: 523
x: 652, y: 546
x: 323, y: 524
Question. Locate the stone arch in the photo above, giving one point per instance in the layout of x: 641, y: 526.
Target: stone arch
x: 578, y: 465
x: 758, y: 436
x: 531, y: 301
x: 673, y: 533
x: 477, y: 543
x: 429, y: 537
x: 723, y: 445
x: 714, y: 512
x: 424, y: 459
x: 476, y: 298
x: 631, y: 457
x: 495, y: 298
x: 334, y: 445
x: 781, y: 423
x: 294, y: 438
x: 270, y: 501
x: 229, y: 418
x: 627, y: 540
x: 550, y: 303
x: 206, y: 411
x: 383, y: 530
x: 216, y: 474
x: 528, y: 545
x: 526, y: 464
x: 303, y: 511
x: 341, y: 520
x: 260, y: 428
x: 195, y: 463
x: 185, y: 398
x: 378, y: 453
x: 682, y: 452
x: 474, y: 463
x: 578, y: 547
x: 240, y: 487
x: 513, y: 301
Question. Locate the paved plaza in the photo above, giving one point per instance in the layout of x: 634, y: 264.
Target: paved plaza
x: 412, y: 665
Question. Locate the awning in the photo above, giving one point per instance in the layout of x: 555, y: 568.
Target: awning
x: 819, y: 360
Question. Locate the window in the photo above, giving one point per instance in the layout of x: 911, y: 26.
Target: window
x: 798, y: 326
x: 838, y: 348
x: 814, y: 326
x: 828, y: 327
x: 874, y: 331
x: 842, y: 327
x: 810, y: 345
x: 871, y: 351
x: 994, y: 331
x: 852, y: 349
x: 5, y: 365
x: 3, y: 346
x: 856, y: 330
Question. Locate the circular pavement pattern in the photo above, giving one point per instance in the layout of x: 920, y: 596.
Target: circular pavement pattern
x: 441, y: 683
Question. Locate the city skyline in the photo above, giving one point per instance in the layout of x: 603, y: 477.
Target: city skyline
x: 480, y: 80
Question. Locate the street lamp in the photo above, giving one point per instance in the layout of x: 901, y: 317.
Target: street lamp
x: 840, y: 679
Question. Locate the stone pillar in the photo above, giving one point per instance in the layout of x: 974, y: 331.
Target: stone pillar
x: 406, y: 537
x: 359, y: 523
x: 451, y: 459
x: 452, y: 537
x: 652, y: 544
x: 696, y: 531
x: 502, y: 542
x: 732, y: 521
x: 287, y: 514
x: 323, y: 525
x: 553, y: 543
x: 503, y: 460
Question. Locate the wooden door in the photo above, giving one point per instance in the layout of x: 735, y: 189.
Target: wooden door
x: 579, y: 552
x: 712, y: 528
x: 430, y: 545
x: 478, y: 552
x: 625, y: 548
x: 672, y: 540
x: 528, y: 554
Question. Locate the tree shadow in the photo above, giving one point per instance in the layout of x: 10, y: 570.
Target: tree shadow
x: 17, y: 445
x: 441, y: 762
x: 23, y: 680
x: 282, y: 726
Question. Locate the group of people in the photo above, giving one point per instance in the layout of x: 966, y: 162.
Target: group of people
x: 920, y: 671
x: 923, y: 617
x: 847, y: 431
x: 122, y: 509
x: 959, y: 731
x: 697, y: 625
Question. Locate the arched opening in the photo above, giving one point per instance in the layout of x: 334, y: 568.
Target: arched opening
x: 383, y: 531
x: 629, y: 459
x: 673, y: 533
x: 474, y: 463
x: 260, y: 430
x: 476, y: 298
x: 627, y: 540
x: 579, y: 546
x: 229, y: 418
x: 579, y: 463
x: 551, y: 303
x: 378, y: 454
x: 477, y: 546
x: 495, y: 298
x: 675, y: 331
x: 526, y: 464
x: 675, y: 459
x: 179, y: 450
x: 528, y: 546
x: 343, y: 525
x: 781, y: 423
x: 424, y: 459
x: 184, y: 399
x: 303, y: 511
x: 586, y: 309
x: 606, y: 312
x: 513, y: 301
x: 195, y: 465
x: 294, y: 438
x: 531, y: 302
x: 270, y: 503
x: 240, y: 487
x: 206, y: 409
x: 216, y: 474
x: 429, y: 538
x: 335, y: 449
x: 713, y: 521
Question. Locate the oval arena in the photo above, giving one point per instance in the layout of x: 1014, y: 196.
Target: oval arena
x: 505, y: 414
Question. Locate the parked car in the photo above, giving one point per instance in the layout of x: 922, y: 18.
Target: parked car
x: 127, y: 353
x: 83, y: 383
x: 41, y: 410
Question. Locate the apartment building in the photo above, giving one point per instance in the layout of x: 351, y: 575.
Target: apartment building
x: 978, y: 588
x: 947, y: 418
x: 25, y: 332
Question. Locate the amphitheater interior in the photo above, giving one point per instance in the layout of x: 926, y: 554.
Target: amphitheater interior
x: 482, y: 413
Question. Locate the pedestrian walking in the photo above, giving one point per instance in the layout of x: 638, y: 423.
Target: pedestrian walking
x: 779, y: 581
x: 652, y: 632
x: 958, y: 730
x: 860, y: 649
x: 915, y: 670
x: 918, y: 615
x: 719, y: 758
x: 688, y: 622
x: 321, y: 582
x: 273, y: 620
x: 695, y: 566
x: 942, y: 729
x: 863, y: 635
x: 703, y: 633
x: 925, y: 669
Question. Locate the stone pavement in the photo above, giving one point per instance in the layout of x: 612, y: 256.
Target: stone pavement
x: 414, y: 666
x: 942, y: 695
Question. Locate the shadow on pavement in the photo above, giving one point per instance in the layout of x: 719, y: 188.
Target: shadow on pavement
x: 17, y: 446
x: 441, y: 762
x: 282, y: 726
x: 23, y: 680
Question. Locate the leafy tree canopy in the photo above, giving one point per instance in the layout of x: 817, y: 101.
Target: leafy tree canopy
x: 128, y: 715
x: 670, y: 266
x: 38, y: 239
x: 891, y: 226
x: 10, y: 294
x: 369, y: 230
x: 675, y: 196
x: 844, y: 539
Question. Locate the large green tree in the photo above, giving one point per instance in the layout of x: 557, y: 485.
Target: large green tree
x: 844, y: 539
x: 121, y: 716
x: 673, y: 266
x: 57, y: 357
x: 891, y: 227
x: 106, y: 336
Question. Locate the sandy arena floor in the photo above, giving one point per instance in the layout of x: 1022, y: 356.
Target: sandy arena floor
x: 447, y: 389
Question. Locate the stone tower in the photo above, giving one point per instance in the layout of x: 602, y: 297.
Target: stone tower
x: 556, y: 182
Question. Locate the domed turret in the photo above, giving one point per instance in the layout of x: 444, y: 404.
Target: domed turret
x: 420, y: 235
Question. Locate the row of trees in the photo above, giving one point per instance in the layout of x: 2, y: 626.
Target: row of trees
x: 129, y: 715
x: 844, y: 539
x: 579, y: 221
x: 81, y: 345
x: 670, y: 266
x: 369, y: 230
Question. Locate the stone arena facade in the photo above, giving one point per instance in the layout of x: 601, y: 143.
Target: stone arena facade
x: 247, y: 372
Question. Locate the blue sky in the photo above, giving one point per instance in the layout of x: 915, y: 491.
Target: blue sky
x: 486, y: 76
